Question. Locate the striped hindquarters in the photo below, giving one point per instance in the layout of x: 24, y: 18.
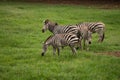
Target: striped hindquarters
x: 70, y: 38
x: 94, y: 26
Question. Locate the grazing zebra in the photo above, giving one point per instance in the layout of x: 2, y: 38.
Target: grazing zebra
x: 59, y: 40
x: 86, y: 37
x: 94, y: 27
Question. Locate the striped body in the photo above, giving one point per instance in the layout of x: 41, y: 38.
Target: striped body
x: 94, y: 27
x: 59, y: 40
x: 57, y: 29
x: 65, y: 29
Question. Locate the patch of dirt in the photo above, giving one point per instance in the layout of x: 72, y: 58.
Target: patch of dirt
x: 115, y: 53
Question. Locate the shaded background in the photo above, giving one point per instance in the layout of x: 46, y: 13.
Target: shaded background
x: 104, y: 3
x: 72, y: 1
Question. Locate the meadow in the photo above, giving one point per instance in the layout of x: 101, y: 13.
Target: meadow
x: 21, y: 41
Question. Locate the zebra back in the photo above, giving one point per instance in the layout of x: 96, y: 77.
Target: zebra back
x: 92, y: 26
x: 62, y: 39
x: 65, y: 29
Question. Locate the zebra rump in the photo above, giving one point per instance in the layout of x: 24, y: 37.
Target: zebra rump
x: 94, y: 27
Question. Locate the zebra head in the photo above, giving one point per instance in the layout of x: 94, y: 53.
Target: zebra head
x: 48, y: 25
x: 45, y: 27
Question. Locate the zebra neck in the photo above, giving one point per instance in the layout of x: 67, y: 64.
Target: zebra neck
x: 58, y: 29
x: 51, y: 28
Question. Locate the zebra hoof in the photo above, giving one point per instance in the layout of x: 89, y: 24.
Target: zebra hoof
x: 77, y: 48
x: 42, y: 54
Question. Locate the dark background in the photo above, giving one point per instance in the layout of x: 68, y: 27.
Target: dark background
x: 71, y: 1
x: 104, y: 3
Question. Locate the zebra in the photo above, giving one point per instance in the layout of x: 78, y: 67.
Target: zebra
x: 57, y: 29
x: 94, y: 27
x: 59, y: 40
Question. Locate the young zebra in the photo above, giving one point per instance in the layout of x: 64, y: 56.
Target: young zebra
x: 94, y: 27
x: 59, y: 40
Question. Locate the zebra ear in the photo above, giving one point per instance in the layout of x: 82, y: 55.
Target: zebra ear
x: 46, y: 21
x: 56, y: 23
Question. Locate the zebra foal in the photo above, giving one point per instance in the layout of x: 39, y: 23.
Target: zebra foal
x: 60, y: 40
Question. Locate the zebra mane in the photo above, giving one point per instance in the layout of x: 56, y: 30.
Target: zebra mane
x: 48, y: 38
x: 52, y: 26
x: 46, y: 21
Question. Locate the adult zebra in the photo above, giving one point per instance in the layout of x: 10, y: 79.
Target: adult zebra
x: 59, y: 40
x: 94, y: 27
x: 57, y: 29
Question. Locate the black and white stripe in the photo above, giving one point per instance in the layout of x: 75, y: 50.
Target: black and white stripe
x: 59, y: 40
x: 94, y: 27
x: 83, y: 30
x: 57, y: 29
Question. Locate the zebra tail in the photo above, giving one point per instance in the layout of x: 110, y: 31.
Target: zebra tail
x: 103, y: 36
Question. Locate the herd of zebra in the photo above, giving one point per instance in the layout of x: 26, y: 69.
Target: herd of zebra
x: 71, y: 35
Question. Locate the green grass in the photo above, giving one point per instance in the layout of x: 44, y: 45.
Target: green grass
x: 21, y: 43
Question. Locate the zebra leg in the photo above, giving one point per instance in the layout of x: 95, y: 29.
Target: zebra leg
x: 84, y: 44
x: 101, y: 35
x: 73, y: 49
x: 80, y: 44
x: 87, y: 45
x: 54, y: 50
x: 44, y: 49
x: 58, y: 50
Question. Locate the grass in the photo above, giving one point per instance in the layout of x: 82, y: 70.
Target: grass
x: 21, y: 43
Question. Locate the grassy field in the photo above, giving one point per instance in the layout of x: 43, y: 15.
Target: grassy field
x: 21, y: 43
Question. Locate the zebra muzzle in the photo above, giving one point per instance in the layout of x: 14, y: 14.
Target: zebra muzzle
x: 42, y: 54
